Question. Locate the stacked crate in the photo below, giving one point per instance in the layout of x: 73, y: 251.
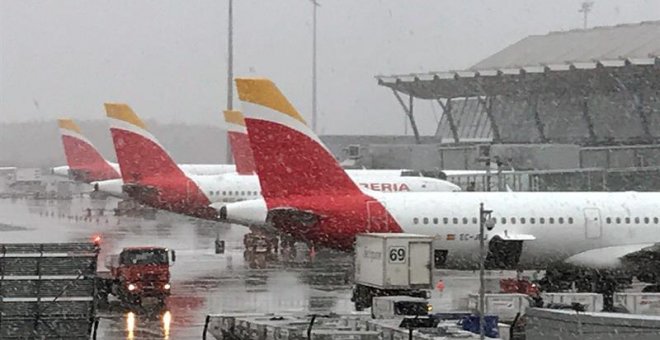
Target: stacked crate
x: 47, y: 290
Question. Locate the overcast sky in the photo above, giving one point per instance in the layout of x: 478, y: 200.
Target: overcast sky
x: 168, y: 58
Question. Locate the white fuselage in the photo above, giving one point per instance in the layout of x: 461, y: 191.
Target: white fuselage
x: 232, y: 187
x: 553, y: 226
x: 410, y: 172
x: 189, y: 169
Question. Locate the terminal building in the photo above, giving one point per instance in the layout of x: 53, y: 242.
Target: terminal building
x: 572, y: 110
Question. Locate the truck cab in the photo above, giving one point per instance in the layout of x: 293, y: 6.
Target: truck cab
x: 140, y: 272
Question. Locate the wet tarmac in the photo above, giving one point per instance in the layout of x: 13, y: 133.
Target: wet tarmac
x: 203, y: 282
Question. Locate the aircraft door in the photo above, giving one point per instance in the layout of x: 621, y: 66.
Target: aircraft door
x: 592, y: 223
x: 377, y: 219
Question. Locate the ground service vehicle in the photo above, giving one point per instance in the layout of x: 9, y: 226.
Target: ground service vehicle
x: 137, y: 273
x: 391, y: 264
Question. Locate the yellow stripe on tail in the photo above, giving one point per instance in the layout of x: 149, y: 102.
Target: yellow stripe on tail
x: 123, y: 112
x: 262, y: 91
x: 234, y: 117
x: 68, y: 124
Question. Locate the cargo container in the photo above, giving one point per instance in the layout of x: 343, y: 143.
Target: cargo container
x: 639, y: 303
x: 391, y: 264
x: 505, y: 306
x: 591, y: 301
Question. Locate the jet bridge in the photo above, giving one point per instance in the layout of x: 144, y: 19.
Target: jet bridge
x: 47, y: 290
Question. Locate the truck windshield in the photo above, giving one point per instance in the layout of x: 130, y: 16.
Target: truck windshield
x: 410, y: 308
x: 144, y: 256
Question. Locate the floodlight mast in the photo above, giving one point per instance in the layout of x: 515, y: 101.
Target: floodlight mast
x: 585, y: 9
x: 315, y: 6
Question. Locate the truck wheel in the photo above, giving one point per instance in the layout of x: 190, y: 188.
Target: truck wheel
x: 260, y: 261
x: 361, y: 297
x: 252, y: 262
x: 102, y: 299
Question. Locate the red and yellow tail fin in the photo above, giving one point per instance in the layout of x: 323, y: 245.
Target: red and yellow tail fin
x: 139, y: 153
x: 290, y: 158
x: 239, y: 142
x: 84, y: 160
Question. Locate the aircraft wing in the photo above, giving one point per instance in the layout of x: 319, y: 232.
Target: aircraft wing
x: 616, y: 257
x: 516, y: 237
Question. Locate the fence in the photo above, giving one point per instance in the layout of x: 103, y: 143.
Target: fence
x: 594, y: 179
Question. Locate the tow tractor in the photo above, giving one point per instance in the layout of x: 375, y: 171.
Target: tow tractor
x: 137, y: 273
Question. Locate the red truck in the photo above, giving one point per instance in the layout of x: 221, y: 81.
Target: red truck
x: 137, y: 273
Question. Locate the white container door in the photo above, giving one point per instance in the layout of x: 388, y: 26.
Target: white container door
x: 419, y: 261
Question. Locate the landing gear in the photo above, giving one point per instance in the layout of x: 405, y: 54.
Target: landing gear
x: 289, y: 252
x: 503, y: 254
x: 259, y: 249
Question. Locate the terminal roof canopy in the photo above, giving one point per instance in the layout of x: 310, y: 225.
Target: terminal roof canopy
x: 628, y: 41
x: 554, y: 53
x: 587, y: 86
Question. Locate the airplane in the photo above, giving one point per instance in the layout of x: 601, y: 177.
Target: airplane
x: 239, y: 142
x: 244, y: 164
x: 86, y: 164
x: 314, y: 200
x: 240, y: 146
x: 152, y: 177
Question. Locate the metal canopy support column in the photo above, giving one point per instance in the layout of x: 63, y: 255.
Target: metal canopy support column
x: 488, y: 105
x: 408, y: 109
x: 643, y: 117
x: 637, y: 100
x: 446, y: 109
x: 587, y: 118
x: 533, y: 102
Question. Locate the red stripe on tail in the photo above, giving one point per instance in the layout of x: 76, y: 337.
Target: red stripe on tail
x: 242, y: 153
x: 86, y: 163
x: 145, y: 163
x: 290, y: 163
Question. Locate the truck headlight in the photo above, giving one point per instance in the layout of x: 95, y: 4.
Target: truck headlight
x: 429, y: 308
x: 166, y: 286
x: 131, y: 287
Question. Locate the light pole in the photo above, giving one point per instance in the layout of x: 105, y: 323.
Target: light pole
x: 230, y: 69
x: 220, y: 244
x: 485, y: 221
x: 585, y: 9
x: 315, y: 5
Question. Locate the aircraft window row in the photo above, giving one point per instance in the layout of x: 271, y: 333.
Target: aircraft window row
x: 234, y: 193
x: 628, y: 220
x: 503, y: 220
x: 533, y: 220
x: 540, y: 220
